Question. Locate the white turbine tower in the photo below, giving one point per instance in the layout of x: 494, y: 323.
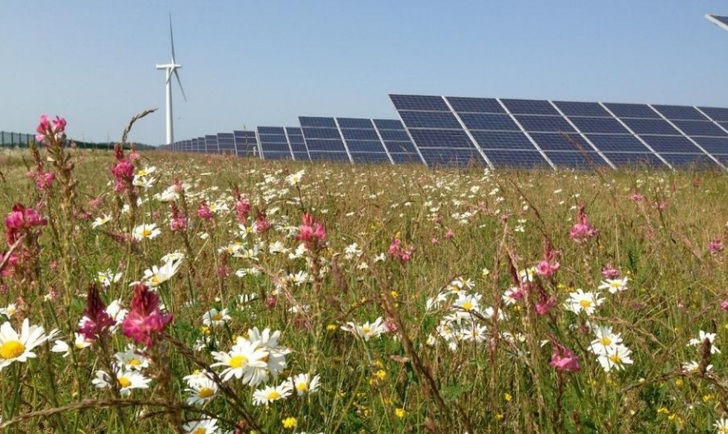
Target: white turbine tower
x: 171, y: 68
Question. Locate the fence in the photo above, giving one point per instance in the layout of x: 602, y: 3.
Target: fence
x: 14, y: 139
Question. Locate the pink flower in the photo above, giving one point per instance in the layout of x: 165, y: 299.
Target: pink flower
x: 145, y: 320
x: 204, y: 211
x: 608, y: 272
x: 716, y: 246
x: 261, y: 222
x: 47, y: 128
x: 549, y: 265
x: 545, y: 303
x: 311, y: 232
x: 563, y: 359
x: 636, y: 197
x: 96, y: 321
x: 21, y: 219
x: 724, y: 304
x: 582, y: 230
x: 242, y: 209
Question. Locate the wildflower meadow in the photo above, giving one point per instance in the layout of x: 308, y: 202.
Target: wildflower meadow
x: 164, y: 292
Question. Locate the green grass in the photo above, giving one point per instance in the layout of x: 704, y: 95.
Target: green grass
x: 476, y: 226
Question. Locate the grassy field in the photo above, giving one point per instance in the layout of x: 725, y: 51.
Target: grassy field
x: 190, y: 293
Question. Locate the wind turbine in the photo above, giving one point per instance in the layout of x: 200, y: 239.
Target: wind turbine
x: 171, y: 68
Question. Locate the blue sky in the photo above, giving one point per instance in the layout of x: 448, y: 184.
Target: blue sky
x: 249, y: 64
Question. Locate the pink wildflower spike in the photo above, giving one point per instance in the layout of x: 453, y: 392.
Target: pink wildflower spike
x: 311, y: 232
x: 204, y: 211
x: 59, y: 125
x: 144, y: 320
x: 636, y: 197
x: 261, y: 222
x: 43, y: 129
x: 242, y: 209
x: 582, y: 230
x: 21, y: 219
x: 178, y: 222
x: 545, y: 303
x: 716, y: 246
x: 609, y: 272
x: 563, y: 359
x: 724, y: 304
x: 96, y: 321
x: 548, y: 266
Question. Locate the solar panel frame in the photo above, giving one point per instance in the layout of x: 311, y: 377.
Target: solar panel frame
x: 699, y: 128
x: 388, y: 124
x: 600, y: 125
x: 424, y: 119
x: 506, y: 140
x: 629, y: 110
x: 679, y: 112
x: 489, y: 121
x: 718, y: 114
x: 418, y: 102
x: 650, y: 126
x: 539, y: 123
x: 529, y: 107
x: 517, y: 158
x: 582, y: 109
x: 475, y: 105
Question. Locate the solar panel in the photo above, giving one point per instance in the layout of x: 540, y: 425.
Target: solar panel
x: 359, y: 134
x: 321, y: 135
x: 435, y: 157
x: 634, y: 159
x: 700, y: 128
x: 488, y: 121
x: 246, y: 143
x: 502, y: 140
x: 211, y: 144
x: 685, y: 160
x: 424, y: 119
x: 524, y: 159
x: 718, y: 114
x: 714, y: 145
x: 721, y: 21
x: 529, y: 107
x: 388, y: 124
x: 310, y: 121
x: 589, y: 109
x: 419, y: 102
x: 369, y: 157
x: 274, y: 144
x: 226, y: 143
x: 632, y: 110
x: 576, y: 160
x: 544, y: 123
x: 675, y: 112
x: 663, y: 144
x: 650, y: 126
x: 394, y: 135
x: 297, y: 143
x: 432, y: 138
x: 362, y: 139
x: 355, y: 123
x: 561, y: 142
x: 329, y: 156
x: 617, y: 143
x: 475, y: 105
x: 598, y: 125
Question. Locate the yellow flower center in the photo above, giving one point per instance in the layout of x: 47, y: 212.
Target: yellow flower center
x: 585, y: 303
x: 146, y: 232
x: 124, y: 382
x: 606, y: 341
x: 274, y: 395
x: 200, y: 431
x: 615, y: 358
x: 238, y: 361
x: 467, y: 305
x: 155, y: 280
x: 12, y: 349
x: 134, y: 362
x: 217, y: 317
x: 206, y: 392
x: 366, y: 330
x: 302, y: 387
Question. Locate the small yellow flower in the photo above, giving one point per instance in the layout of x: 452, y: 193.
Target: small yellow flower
x: 507, y: 397
x: 500, y: 416
x: 394, y: 294
x: 381, y: 374
x: 205, y: 330
x: 331, y: 327
x: 709, y: 397
x: 663, y: 410
x: 679, y: 382
x: 290, y: 423
x: 400, y: 412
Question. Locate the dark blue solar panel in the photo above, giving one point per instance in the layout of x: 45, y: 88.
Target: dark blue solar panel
x: 452, y: 157
x: 324, y: 145
x: 694, y: 160
x: 529, y: 107
x: 394, y: 135
x: 576, y: 160
x: 632, y: 110
x: 723, y: 158
x: 275, y: 155
x: 488, y: 121
x: 244, y: 134
x: 673, y: 112
x: 301, y: 156
x: 273, y: 138
x: 700, y: 128
x: 360, y: 134
x: 211, y: 144
x: 670, y: 144
x: 320, y: 133
x: 516, y: 158
x: 722, y: 19
x: 270, y: 130
x: 419, y: 102
x: 406, y: 158
x: 561, y: 142
x: 599, y: 125
x: 402, y: 147
x: 388, y: 124
x: 369, y: 157
x: 354, y: 123
x: 441, y: 139
x: 414, y: 119
x: 294, y: 131
x: 226, y: 141
x: 274, y: 147
x: 724, y: 125
x: 617, y: 143
x: 714, y: 145
x: 716, y: 113
x: 364, y: 146
x: 475, y: 105
x: 650, y: 126
x: 311, y: 121
x: 329, y: 156
x: 574, y: 108
x: 544, y: 123
x: 502, y: 140
x: 634, y: 159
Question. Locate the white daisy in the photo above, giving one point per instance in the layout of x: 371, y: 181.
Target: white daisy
x: 18, y: 347
x: 270, y: 394
x: 146, y: 231
x: 245, y: 360
x: 615, y: 357
x: 100, y: 221
x: 366, y: 330
x: 215, y: 318
x: 615, y: 285
x: 702, y: 337
x: 202, y: 426
x: 605, y: 340
x: 304, y: 384
x: 126, y: 380
x: 131, y: 359
x: 201, y: 388
x: 583, y: 301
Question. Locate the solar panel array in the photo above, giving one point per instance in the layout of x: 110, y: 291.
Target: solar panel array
x: 495, y: 132
x: 538, y: 133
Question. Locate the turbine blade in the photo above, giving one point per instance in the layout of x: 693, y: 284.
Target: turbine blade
x: 171, y: 37
x: 180, y: 84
